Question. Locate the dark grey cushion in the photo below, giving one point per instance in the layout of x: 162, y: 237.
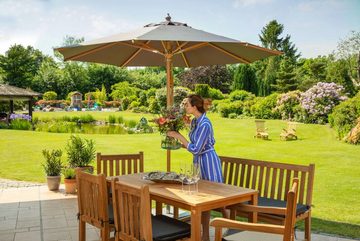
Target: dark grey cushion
x: 269, y: 202
x: 168, y: 229
x: 111, y: 213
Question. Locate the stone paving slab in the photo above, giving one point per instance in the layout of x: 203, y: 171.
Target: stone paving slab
x: 36, y: 214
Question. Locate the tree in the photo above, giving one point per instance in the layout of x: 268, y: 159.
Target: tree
x: 49, y: 78
x: 123, y: 89
x: 311, y: 71
x: 20, y: 65
x: 107, y: 75
x: 349, y: 50
x: 68, y: 41
x: 337, y: 72
x: 286, y: 77
x: 216, y: 76
x: 245, y: 79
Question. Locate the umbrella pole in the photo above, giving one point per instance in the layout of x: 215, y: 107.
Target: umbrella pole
x: 169, y: 99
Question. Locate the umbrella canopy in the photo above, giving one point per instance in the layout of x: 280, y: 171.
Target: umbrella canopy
x: 166, y: 44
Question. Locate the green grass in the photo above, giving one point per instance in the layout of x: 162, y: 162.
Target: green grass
x: 337, y: 175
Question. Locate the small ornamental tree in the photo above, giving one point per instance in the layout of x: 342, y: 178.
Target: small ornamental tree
x: 319, y: 100
x: 50, y: 95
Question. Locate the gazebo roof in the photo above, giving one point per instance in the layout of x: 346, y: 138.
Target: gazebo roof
x: 8, y: 92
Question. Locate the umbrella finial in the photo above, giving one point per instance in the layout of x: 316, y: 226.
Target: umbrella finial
x: 168, y: 18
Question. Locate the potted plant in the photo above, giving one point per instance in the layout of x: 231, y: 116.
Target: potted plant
x: 80, y: 153
x: 52, y: 167
x: 69, y: 180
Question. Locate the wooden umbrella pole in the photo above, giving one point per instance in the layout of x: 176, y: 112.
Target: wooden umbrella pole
x: 169, y: 98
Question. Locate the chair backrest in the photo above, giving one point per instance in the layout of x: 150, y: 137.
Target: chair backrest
x: 272, y: 179
x: 260, y: 125
x: 132, y: 213
x: 291, y: 127
x: 116, y: 165
x: 92, y: 198
x: 290, y: 216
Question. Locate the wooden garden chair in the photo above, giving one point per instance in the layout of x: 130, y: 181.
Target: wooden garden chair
x: 120, y: 164
x: 289, y: 133
x: 261, y: 130
x: 263, y: 232
x: 93, y: 205
x: 133, y: 219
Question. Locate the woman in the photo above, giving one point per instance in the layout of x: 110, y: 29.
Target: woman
x: 201, y: 145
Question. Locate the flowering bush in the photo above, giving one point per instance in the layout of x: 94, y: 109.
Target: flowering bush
x: 172, y: 119
x: 287, y: 105
x: 14, y: 116
x: 319, y: 100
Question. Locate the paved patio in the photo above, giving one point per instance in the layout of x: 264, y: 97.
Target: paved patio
x: 32, y: 213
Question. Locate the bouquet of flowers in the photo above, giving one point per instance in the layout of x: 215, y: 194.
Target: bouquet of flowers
x: 171, y: 119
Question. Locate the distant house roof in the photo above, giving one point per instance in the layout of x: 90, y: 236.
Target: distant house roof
x: 8, y: 92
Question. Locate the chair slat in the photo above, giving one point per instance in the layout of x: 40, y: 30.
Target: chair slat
x: 254, y: 177
x: 231, y: 173
x: 273, y: 183
x: 260, y: 187
x: 287, y: 181
x: 248, y: 176
x: 111, y: 167
x: 302, y: 187
x: 236, y: 176
x: 280, y: 185
x: 267, y: 180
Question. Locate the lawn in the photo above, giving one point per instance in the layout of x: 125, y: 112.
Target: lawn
x: 337, y: 174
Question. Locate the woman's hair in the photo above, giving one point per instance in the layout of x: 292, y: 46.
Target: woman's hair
x: 198, y: 101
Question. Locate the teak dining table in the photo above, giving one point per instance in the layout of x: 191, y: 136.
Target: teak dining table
x: 210, y: 196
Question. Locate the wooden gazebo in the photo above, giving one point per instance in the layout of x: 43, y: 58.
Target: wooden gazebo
x: 11, y: 93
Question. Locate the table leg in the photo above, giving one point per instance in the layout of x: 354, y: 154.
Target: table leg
x: 253, y: 215
x: 195, y: 225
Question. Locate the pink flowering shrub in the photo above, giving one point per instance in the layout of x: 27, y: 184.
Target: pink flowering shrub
x: 318, y: 101
x: 288, y: 105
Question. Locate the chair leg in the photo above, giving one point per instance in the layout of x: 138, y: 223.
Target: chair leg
x: 105, y: 233
x: 308, y: 228
x: 82, y: 230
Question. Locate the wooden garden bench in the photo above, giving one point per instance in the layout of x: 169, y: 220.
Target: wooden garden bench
x: 273, y: 181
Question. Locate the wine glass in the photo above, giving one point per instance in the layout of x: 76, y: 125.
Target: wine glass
x: 196, y: 176
x: 183, y: 175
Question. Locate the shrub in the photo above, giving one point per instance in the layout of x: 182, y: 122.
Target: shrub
x: 52, y: 165
x: 203, y: 90
x: 179, y: 94
x: 288, y: 105
x: 50, y: 95
x: 120, y: 119
x: 319, y: 100
x: 216, y: 94
x: 343, y: 118
x: 131, y: 124
x: 233, y: 107
x: 112, y: 119
x: 20, y: 124
x: 86, y: 118
x: 241, y: 95
x: 80, y: 152
x: 233, y: 115
x: 154, y: 106
x: 264, y: 108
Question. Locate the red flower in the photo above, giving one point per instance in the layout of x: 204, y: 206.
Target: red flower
x: 162, y: 120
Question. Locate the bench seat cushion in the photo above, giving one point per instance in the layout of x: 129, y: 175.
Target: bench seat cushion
x: 269, y: 202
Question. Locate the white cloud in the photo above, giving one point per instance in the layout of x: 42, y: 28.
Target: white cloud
x: 245, y: 3
x: 39, y: 24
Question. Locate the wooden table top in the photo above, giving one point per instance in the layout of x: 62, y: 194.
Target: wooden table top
x: 209, y: 192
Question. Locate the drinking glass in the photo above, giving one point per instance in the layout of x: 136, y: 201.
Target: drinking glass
x: 196, y: 176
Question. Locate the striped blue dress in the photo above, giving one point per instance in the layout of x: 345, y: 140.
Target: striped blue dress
x: 201, y: 145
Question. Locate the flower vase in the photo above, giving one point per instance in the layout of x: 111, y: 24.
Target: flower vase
x: 170, y: 143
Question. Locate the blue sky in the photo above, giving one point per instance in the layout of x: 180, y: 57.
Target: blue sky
x: 315, y: 26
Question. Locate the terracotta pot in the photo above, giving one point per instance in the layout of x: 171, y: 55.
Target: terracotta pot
x: 53, y: 182
x: 70, y: 186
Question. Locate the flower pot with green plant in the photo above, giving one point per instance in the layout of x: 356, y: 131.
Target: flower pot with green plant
x: 80, y: 153
x: 52, y: 167
x: 69, y: 180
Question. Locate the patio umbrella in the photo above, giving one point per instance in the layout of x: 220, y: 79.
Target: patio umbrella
x: 167, y: 44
